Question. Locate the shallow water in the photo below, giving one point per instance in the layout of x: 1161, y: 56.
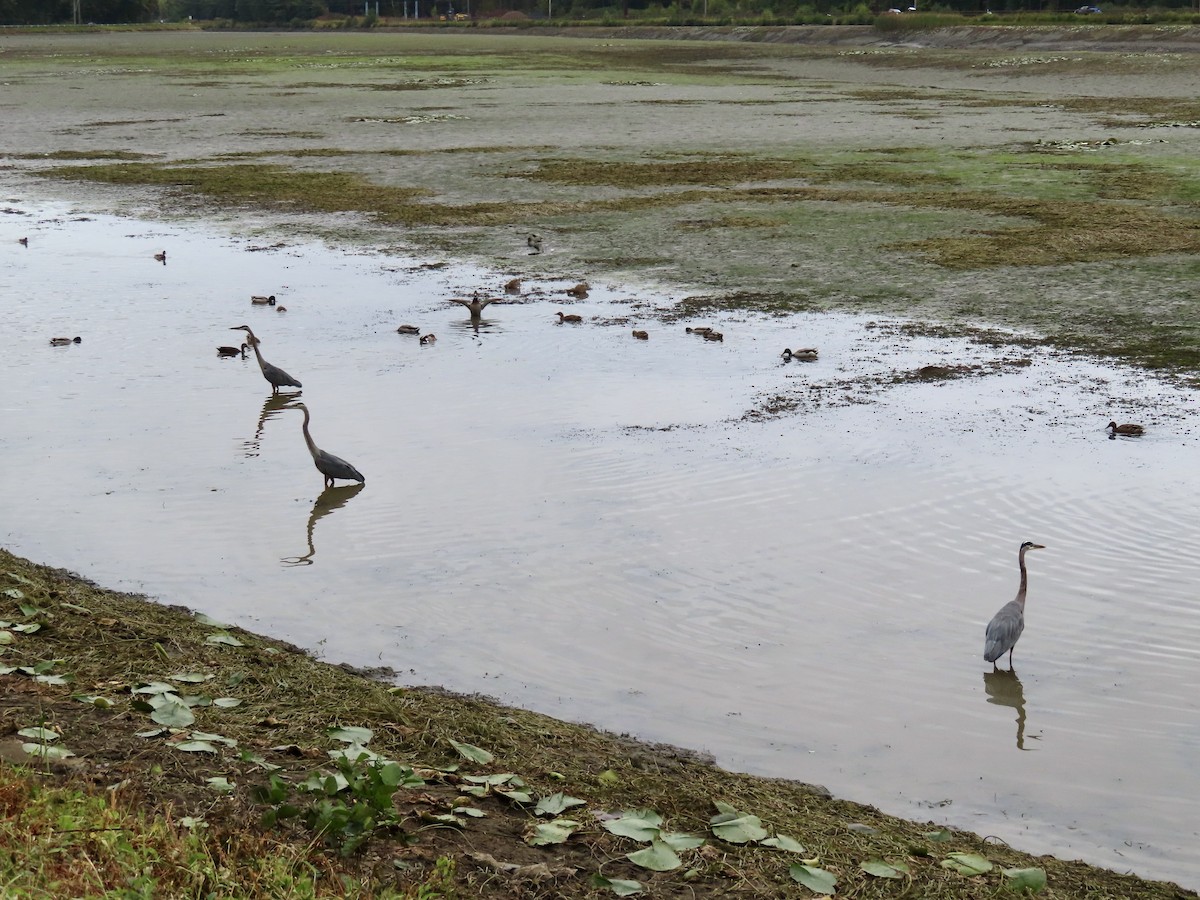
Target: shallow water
x: 592, y: 526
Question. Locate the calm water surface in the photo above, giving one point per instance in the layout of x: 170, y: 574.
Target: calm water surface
x: 592, y: 526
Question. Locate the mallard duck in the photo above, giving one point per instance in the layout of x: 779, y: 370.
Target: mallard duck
x: 24, y: 242
x: 260, y: 300
x: 804, y: 354
x: 580, y: 290
x: 700, y: 331
x: 641, y: 335
x: 713, y: 336
x: 568, y: 317
x: 232, y: 351
x: 512, y: 286
x: 428, y: 338
x: 62, y: 342
x: 327, y: 464
x: 161, y: 257
x: 1126, y: 429
x: 534, y: 243
x: 408, y: 329
x: 475, y: 304
x: 275, y: 376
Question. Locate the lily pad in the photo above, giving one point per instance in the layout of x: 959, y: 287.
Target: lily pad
x: 555, y: 804
x: 46, y: 752
x: 222, y: 784
x: 819, y: 881
x: 14, y: 594
x: 966, y: 863
x: 352, y: 734
x: 555, y: 832
x: 940, y: 836
x: 94, y: 700
x: 155, y: 687
x: 881, y: 869
x: 191, y: 677
x: 196, y: 747
x: 171, y: 711
x: 736, y: 827
x: 210, y: 621
x: 658, y: 857
x: 639, y: 824
x: 622, y: 887
x: 785, y: 843
x: 473, y: 753
x: 6, y: 637
x: 39, y: 734
x: 1032, y: 879
x: 227, y: 702
x: 222, y: 638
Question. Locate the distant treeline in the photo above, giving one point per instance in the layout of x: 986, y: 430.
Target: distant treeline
x: 298, y: 13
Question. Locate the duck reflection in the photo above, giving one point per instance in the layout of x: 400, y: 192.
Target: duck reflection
x: 274, y: 404
x: 330, y: 499
x: 1004, y: 688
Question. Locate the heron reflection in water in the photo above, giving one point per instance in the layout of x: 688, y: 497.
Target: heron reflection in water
x: 1003, y: 688
x: 329, y: 499
x: 272, y: 406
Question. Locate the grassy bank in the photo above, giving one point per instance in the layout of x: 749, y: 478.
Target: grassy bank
x: 148, y: 751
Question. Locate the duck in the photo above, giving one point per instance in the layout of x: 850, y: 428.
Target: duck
x: 233, y: 351
x: 1127, y: 429
x: 713, y: 336
x: 513, y: 286
x: 568, y: 317
x: 534, y: 243
x: 428, y: 338
x: 260, y: 300
x: 580, y: 290
x: 161, y: 257
x: 804, y: 354
x: 641, y: 335
x: 62, y: 342
x: 281, y: 309
x: 700, y: 331
x: 408, y: 329
x: 24, y: 242
x: 475, y: 305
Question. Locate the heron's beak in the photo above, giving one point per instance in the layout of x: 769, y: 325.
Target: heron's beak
x: 1038, y: 547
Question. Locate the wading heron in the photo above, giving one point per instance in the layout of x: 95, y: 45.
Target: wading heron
x: 327, y: 464
x: 1006, y: 626
x: 275, y: 375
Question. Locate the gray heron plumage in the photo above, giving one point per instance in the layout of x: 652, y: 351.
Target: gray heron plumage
x: 327, y: 464
x: 274, y: 375
x: 1006, y: 626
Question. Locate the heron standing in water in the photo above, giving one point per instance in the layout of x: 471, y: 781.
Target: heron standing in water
x: 1006, y: 626
x: 274, y: 375
x: 327, y: 464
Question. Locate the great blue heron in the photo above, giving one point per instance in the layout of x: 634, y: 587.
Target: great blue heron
x: 475, y: 305
x: 1130, y: 430
x: 1006, y: 626
x: 327, y: 464
x: 275, y: 375
x: 260, y: 300
x: 568, y: 317
x: 804, y: 354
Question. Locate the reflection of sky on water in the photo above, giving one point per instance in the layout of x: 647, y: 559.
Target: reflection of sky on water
x: 586, y: 524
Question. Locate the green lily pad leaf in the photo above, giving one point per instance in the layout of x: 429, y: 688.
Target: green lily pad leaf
x: 860, y: 828
x: 966, y: 863
x: 736, y: 827
x: 495, y: 780
x: 154, y: 732
x: 352, y: 734
x: 783, y: 842
x: 1033, y: 879
x: 94, y: 700
x: 354, y: 753
x: 14, y: 593
x: 191, y: 677
x: 679, y: 840
x: 7, y: 670
x: 222, y: 784
x: 639, y: 824
x: 555, y: 832
x: 522, y: 797
x: 52, y: 679
x: 256, y: 759
x: 28, y: 628
x: 222, y: 638
x: 171, y: 711
x: 215, y: 738
x: 18, y: 578
x: 881, y: 869
x: 155, y: 687
x: 940, y: 836
x: 608, y: 778
x: 471, y: 752
x: 658, y: 857
x: 196, y: 747
x: 210, y: 621
x: 191, y: 700
x: 819, y: 881
x: 6, y: 637
x: 473, y: 812
x: 227, y: 702
x: 476, y: 790
x: 45, y: 752
x: 622, y: 887
x: 555, y: 804
x: 39, y: 734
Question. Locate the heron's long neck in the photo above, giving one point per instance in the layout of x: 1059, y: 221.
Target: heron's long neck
x: 257, y: 352
x: 1020, y: 598
x: 312, y: 448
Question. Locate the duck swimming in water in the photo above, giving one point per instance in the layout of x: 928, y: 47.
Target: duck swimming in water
x: 428, y: 338
x: 568, y: 317
x: 233, y: 351
x: 260, y: 300
x: 62, y: 342
x: 408, y: 329
x: 804, y: 354
x: 641, y: 335
x: 1128, y: 430
x: 161, y: 257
